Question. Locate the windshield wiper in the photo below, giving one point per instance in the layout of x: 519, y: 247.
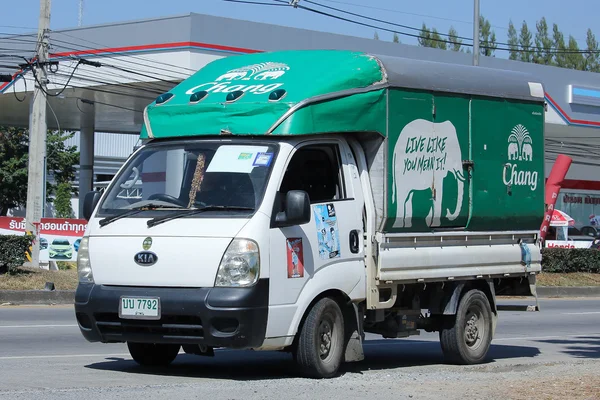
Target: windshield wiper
x: 157, y: 220
x: 132, y: 211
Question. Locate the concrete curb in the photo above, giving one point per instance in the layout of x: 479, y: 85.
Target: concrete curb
x: 568, y: 291
x: 31, y: 297
x: 62, y: 297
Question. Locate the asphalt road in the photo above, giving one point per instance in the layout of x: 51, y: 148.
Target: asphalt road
x: 42, y: 354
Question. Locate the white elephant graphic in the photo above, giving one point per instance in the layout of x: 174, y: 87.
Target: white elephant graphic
x: 513, y: 151
x: 261, y: 76
x: 446, y: 160
x: 232, y: 75
x: 527, y: 152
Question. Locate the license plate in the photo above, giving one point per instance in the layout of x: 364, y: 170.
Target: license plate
x: 139, y: 308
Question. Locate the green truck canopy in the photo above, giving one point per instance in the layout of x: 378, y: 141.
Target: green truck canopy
x: 298, y: 92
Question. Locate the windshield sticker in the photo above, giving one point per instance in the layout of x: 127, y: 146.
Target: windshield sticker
x: 295, y: 258
x: 327, y: 231
x: 263, y: 160
x: 235, y: 158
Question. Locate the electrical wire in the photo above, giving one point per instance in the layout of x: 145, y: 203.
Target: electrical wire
x: 82, y: 49
x: 407, y: 13
x: 15, y: 89
x: 90, y: 79
x: 122, y: 53
x: 380, y: 20
x: 530, y: 49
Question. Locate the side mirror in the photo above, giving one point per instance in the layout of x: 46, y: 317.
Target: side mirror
x: 297, y: 209
x: 89, y: 204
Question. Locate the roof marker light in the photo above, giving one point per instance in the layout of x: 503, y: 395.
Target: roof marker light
x: 277, y: 95
x: 233, y: 96
x: 196, y: 97
x: 163, y: 98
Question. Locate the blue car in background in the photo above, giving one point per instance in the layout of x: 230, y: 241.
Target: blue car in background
x: 76, y: 244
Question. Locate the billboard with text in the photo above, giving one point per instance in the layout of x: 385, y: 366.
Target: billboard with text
x: 59, y: 238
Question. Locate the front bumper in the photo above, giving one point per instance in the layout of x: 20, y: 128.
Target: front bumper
x: 215, y: 317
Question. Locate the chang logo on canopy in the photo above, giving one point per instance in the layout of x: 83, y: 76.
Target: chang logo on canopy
x: 257, y: 72
x: 239, y: 79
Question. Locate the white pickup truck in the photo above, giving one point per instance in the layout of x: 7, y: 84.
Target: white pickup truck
x: 295, y: 200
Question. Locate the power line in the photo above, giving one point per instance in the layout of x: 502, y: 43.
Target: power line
x: 379, y: 20
x: 122, y: 53
x: 406, y: 13
x: 531, y: 49
x: 17, y: 27
x: 81, y: 49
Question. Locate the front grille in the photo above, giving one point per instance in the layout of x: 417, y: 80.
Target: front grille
x: 168, y: 327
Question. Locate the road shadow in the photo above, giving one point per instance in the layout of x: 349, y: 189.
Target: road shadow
x: 251, y: 365
x: 578, y: 346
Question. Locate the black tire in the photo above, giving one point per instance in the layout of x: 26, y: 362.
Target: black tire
x: 468, y: 339
x: 320, y: 345
x: 153, y: 354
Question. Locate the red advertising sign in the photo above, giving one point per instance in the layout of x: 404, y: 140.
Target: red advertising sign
x: 59, y: 238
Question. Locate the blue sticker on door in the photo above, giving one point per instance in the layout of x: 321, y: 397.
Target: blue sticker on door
x: 328, y: 235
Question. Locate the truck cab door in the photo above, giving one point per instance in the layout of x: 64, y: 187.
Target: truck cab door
x: 327, y: 252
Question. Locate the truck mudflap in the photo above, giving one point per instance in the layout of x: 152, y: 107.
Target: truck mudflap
x: 212, y: 317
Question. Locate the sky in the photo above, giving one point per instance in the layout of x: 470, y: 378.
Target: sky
x: 573, y: 17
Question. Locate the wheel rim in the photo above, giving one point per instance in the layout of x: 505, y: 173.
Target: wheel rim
x: 475, y: 329
x: 327, y: 339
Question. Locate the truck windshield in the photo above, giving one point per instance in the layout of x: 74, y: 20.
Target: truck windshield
x: 227, y: 176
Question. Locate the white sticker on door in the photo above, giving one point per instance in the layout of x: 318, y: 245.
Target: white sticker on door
x: 327, y: 231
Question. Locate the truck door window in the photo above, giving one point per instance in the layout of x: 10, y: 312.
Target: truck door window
x: 316, y: 170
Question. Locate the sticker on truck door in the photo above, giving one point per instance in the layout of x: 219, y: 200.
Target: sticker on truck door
x: 295, y: 258
x: 327, y: 231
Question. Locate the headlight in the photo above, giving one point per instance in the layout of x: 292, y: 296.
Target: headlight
x: 84, y: 268
x: 240, y: 265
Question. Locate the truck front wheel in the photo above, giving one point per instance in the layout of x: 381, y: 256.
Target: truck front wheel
x: 468, y: 339
x: 153, y: 354
x: 320, y: 344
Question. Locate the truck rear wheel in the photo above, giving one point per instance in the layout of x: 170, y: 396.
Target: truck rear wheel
x: 153, y: 354
x: 468, y: 340
x: 320, y: 344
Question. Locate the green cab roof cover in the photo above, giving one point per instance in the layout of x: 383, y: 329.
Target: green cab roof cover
x: 249, y: 94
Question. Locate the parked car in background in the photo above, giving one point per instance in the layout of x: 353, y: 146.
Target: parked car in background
x: 60, y: 248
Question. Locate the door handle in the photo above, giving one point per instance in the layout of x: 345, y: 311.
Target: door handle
x: 354, y: 242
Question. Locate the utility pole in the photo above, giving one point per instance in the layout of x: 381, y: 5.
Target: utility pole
x: 80, y: 12
x: 37, y: 135
x: 476, y: 33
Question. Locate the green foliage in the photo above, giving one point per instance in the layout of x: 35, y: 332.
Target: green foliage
x: 487, y: 37
x: 513, y: 42
x: 570, y: 260
x: 13, y: 168
x: 12, y: 251
x: 525, y: 44
x: 592, y: 58
x: 62, y: 203
x: 431, y: 38
x: 14, y: 146
x: 543, y: 52
x: 66, y: 265
x: 547, y: 48
x: 455, y: 42
x: 396, y: 39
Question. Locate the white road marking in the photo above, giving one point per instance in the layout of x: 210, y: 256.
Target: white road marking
x: 581, y: 313
x: 501, y: 339
x: 37, y: 326
x: 62, y: 356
